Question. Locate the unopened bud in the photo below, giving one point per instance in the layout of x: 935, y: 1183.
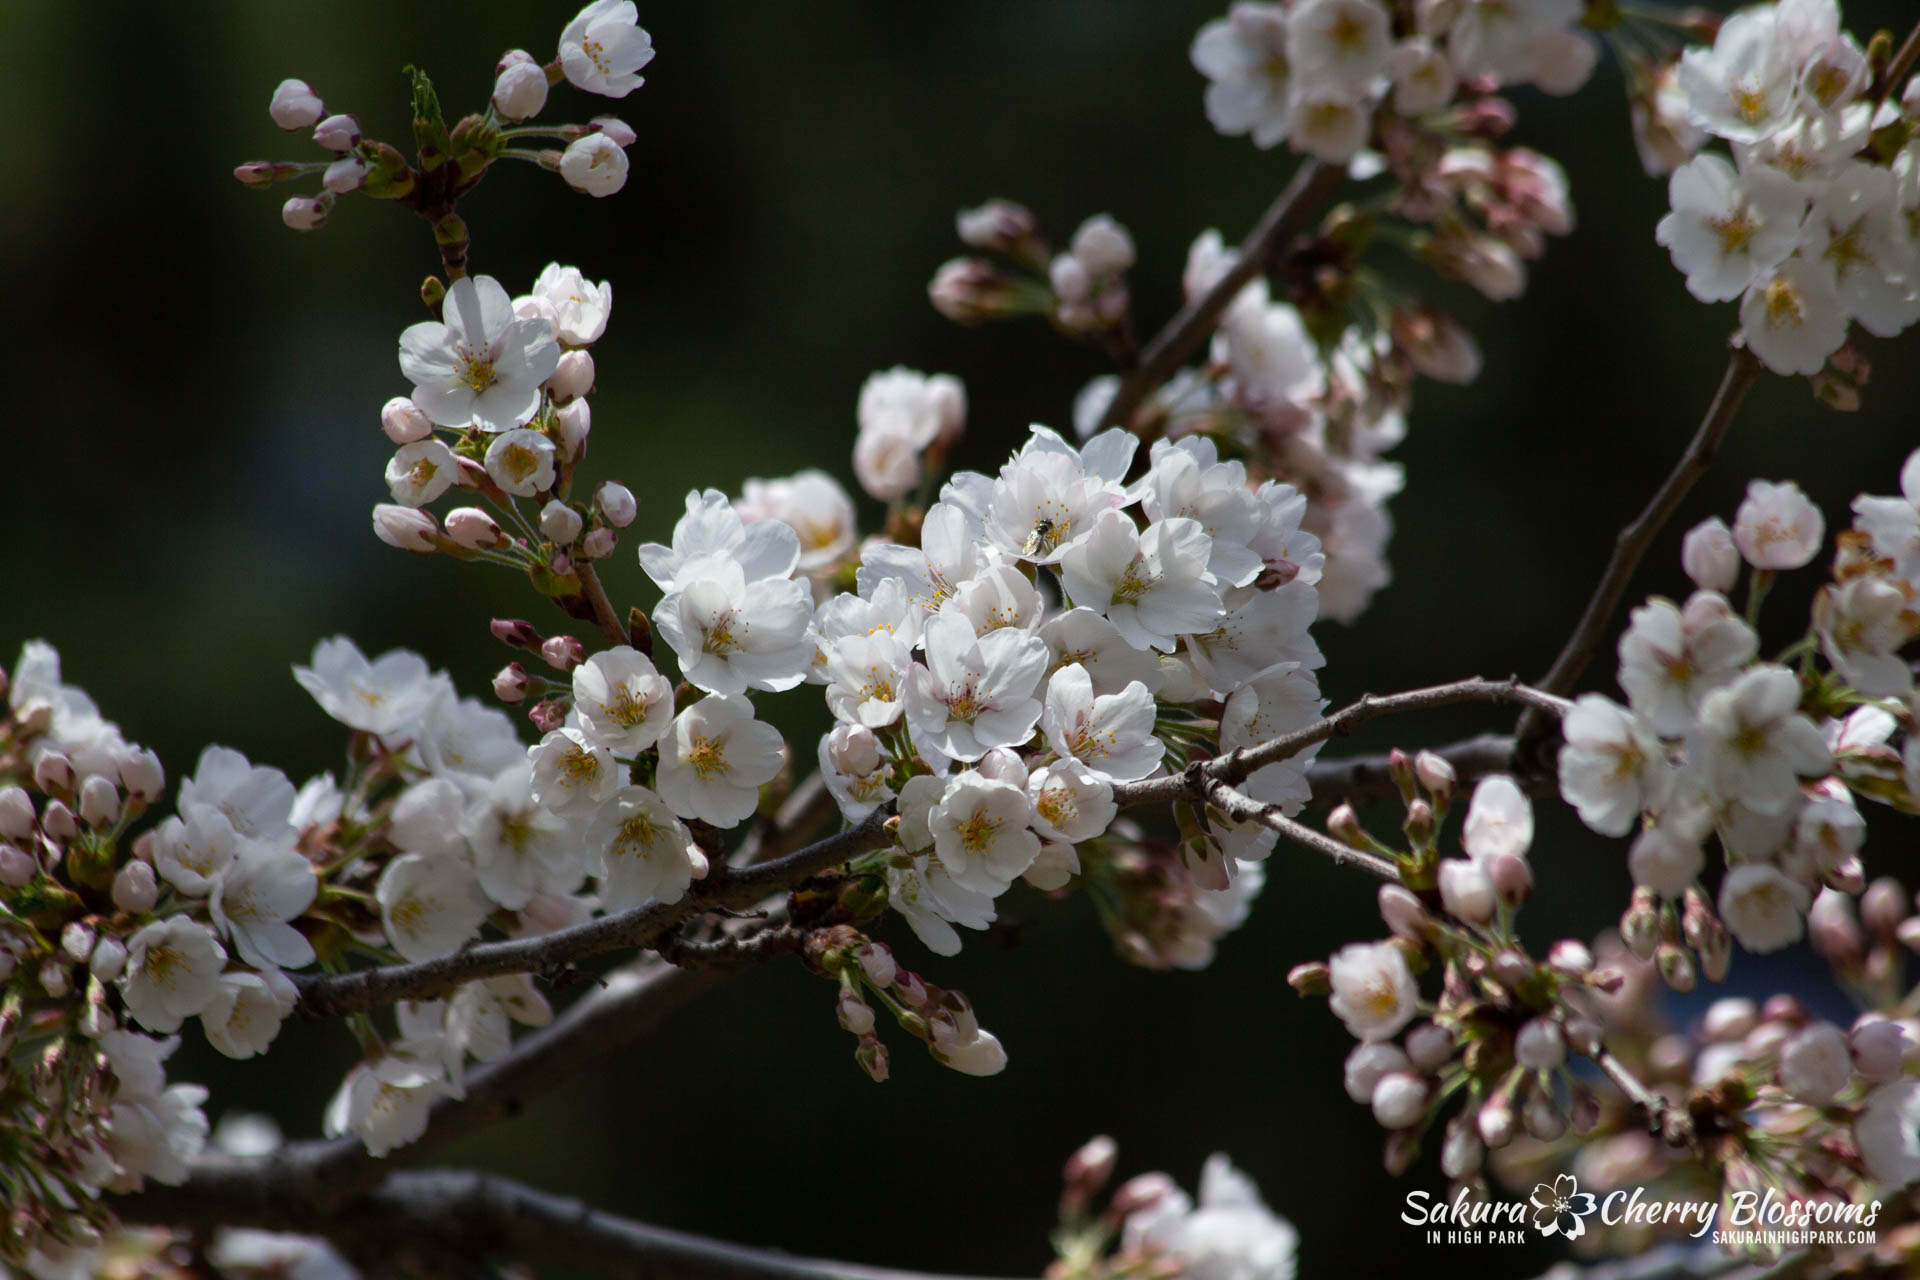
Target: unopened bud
x: 970, y: 291
x: 1709, y: 556
x: 599, y: 544
x: 510, y: 683
x: 1088, y: 1169
x: 55, y: 980
x: 1512, y: 878
x: 560, y: 522
x: 348, y: 173
x: 1466, y: 891
x: 1103, y: 246
x: 76, y: 941
x: 134, y: 888
x: 17, y: 866
x: 1570, y: 957
x: 406, y: 528
x: 1883, y: 907
x: 572, y: 423
x: 1428, y: 1046
x: 1640, y: 926
x: 1462, y: 1152
x: 1436, y: 775
x: 474, y: 529
x: 854, y: 1013
x: 515, y: 633
x: 1540, y: 1045
x: 910, y: 989
x: 616, y: 503
x: 1833, y: 932
x: 1512, y: 969
x: 1495, y: 1121
x: 1542, y: 1116
x: 614, y: 127
x: 573, y: 376
x: 1001, y: 226
x: 16, y: 813
x: 877, y: 963
x: 99, y: 802
x: 1420, y: 825
x: 52, y: 772
x: 306, y: 213
x: 403, y: 422
x: 295, y: 105
x: 520, y: 88
x: 337, y: 133
x: 1879, y: 1048
x: 1403, y: 912
x: 1676, y: 967
x: 1400, y: 769
x: 872, y: 1057
x: 563, y: 653
x: 547, y: 716
x: 109, y: 959
x: 58, y: 821
x: 1343, y: 824
x: 1138, y: 1193
x: 1310, y: 979
x: 142, y: 774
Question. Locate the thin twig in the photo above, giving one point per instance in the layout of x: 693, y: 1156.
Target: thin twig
x: 1244, y: 808
x: 1312, y: 185
x: 1236, y: 765
x: 1633, y: 542
x: 345, y: 993
x: 1360, y: 780
x: 1895, y: 70
x: 481, y: 1215
x: 1672, y: 1123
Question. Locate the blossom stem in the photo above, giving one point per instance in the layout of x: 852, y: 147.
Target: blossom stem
x: 1312, y: 185
x: 1243, y: 808
x: 1670, y: 1122
x: 610, y: 628
x: 1630, y: 546
x: 1896, y: 70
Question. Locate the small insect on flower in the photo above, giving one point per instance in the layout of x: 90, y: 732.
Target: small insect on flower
x: 1040, y: 538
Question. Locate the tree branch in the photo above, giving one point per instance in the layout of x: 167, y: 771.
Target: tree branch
x: 480, y: 1214
x: 1192, y: 783
x: 603, y: 614
x: 1312, y: 185
x: 1244, y: 808
x: 1362, y: 779
x: 1631, y: 545
x: 725, y: 889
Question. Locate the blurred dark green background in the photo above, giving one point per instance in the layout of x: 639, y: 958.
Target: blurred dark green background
x: 193, y: 446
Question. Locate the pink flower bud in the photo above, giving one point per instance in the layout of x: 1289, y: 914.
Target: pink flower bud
x: 1676, y: 967
x: 547, y: 716
x: 515, y: 633
x: 1883, y: 907
x: 614, y: 127
x: 306, y: 213
x: 1001, y: 226
x: 617, y: 505
x: 969, y: 291
x: 1570, y: 956
x: 403, y: 422
x: 16, y: 813
x: 134, y: 888
x: 17, y: 866
x: 1428, y: 1046
x: 338, y: 133
x: 1343, y: 824
x: 1708, y: 555
x: 1540, y: 1045
x: 563, y: 653
x: 594, y: 165
x: 142, y: 774
x: 52, y: 772
x: 877, y: 963
x: 263, y: 173
x: 99, y: 802
x: 1462, y: 1152
x: 1512, y: 878
x: 1088, y: 1169
x: 560, y: 522
x: 1466, y: 891
x: 910, y: 989
x: 510, y: 684
x: 572, y: 422
x: 474, y: 529
x: 520, y: 89
x: 1143, y: 1191
x: 1496, y: 1121
x: 1435, y: 774
x: 1640, y: 925
x: 1103, y: 246
x: 1833, y: 932
x: 1879, y: 1047
x: 109, y: 959
x: 76, y: 940
x: 406, y: 528
x: 295, y: 105
x: 1399, y: 1100
x: 1403, y: 913
x: 1543, y: 1117
x: 573, y: 376
x: 872, y: 1057
x: 54, y: 978
x: 854, y: 1013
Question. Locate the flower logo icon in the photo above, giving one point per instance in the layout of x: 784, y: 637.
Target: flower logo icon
x: 1560, y: 1207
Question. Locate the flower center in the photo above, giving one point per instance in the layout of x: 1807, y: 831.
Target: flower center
x: 626, y: 710
x: 476, y: 369
x: 579, y: 765
x: 1735, y: 231
x: 1783, y: 304
x: 519, y: 462
x: 637, y: 835
x: 978, y: 831
x: 707, y: 757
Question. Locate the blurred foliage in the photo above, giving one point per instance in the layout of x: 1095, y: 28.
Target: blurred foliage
x: 194, y: 447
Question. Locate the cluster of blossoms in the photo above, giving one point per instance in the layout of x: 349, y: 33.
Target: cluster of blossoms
x: 1812, y: 224
x: 601, y: 51
x: 1151, y: 1227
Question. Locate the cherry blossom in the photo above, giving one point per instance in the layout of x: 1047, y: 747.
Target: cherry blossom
x: 482, y: 365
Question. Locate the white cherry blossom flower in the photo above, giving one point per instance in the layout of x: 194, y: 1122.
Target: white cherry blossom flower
x: 1887, y: 1129
x: 389, y: 695
x: 1741, y: 88
x: 1084, y: 637
x: 1187, y: 479
x: 1816, y: 1063
x: 482, y: 366
x: 420, y: 472
x: 256, y: 799
x: 1777, y: 527
x: 520, y: 848
x: 957, y: 1040
x: 854, y: 770
x: 714, y: 760
x: 244, y: 1015
x: 1259, y: 629
x: 637, y: 849
x: 173, y: 972
x: 1752, y: 741
x: 731, y: 633
x: 1762, y: 907
x: 384, y: 1101
x: 931, y: 903
x: 622, y: 699
x: 1231, y: 1235
x: 811, y: 503
x: 1494, y: 38
x: 1329, y: 123
x: 867, y: 678
x: 191, y: 851
x: 1611, y: 768
x: 712, y: 528
x: 999, y: 596
x: 573, y: 772
x: 1709, y: 556
x: 1729, y: 228
x: 1244, y: 56
x: 1112, y: 734
x: 157, y: 1135
x: 1153, y: 587
x: 1665, y: 860
x: 1793, y: 318
x: 579, y: 307
x: 1045, y: 500
x: 949, y: 554
x: 980, y: 833
x: 902, y: 412
x: 253, y: 902
x: 603, y: 48
x: 1071, y: 802
x: 1854, y: 233
x: 975, y: 693
x: 1373, y: 991
x: 1671, y: 658
x: 1862, y: 623
x: 594, y: 165
x: 1893, y: 524
x: 429, y: 906
x: 521, y: 461
x: 1344, y: 43
x: 1271, y: 704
